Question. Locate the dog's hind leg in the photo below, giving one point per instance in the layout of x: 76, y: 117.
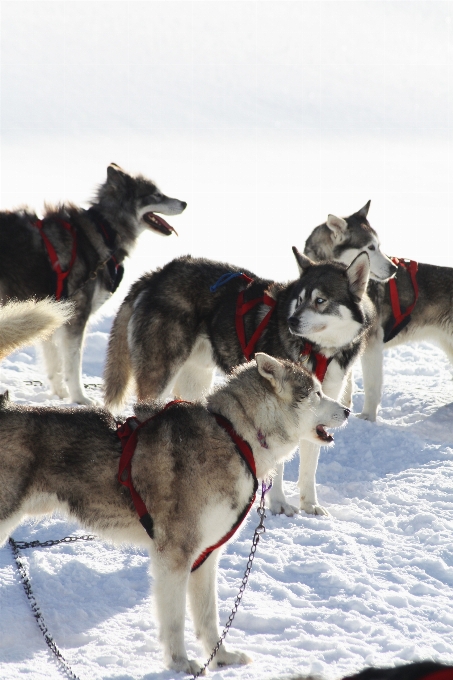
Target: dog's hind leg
x: 194, y: 380
x: 309, y: 455
x: 278, y: 505
x: 159, y: 347
x: 204, y: 608
x: 53, y: 359
x: 170, y: 588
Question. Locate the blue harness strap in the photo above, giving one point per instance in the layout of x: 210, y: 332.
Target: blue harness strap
x: 224, y: 279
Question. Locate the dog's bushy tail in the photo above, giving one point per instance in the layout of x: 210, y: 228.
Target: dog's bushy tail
x: 118, y: 368
x: 23, y: 323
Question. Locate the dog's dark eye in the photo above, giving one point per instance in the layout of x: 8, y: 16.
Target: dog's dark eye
x: 371, y: 247
x: 318, y: 394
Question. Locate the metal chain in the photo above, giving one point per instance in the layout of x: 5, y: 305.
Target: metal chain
x: 260, y: 529
x: 22, y: 545
x: 16, y: 546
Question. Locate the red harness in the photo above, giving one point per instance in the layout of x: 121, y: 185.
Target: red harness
x: 400, y: 318
x: 321, y: 362
x: 53, y: 257
x: 241, y: 309
x: 128, y: 434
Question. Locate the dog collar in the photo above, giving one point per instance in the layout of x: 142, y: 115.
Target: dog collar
x: 114, y: 268
x: 128, y: 435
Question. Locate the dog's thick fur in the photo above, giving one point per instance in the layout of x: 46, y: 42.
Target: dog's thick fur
x: 127, y: 204
x: 23, y: 323
x: 171, y: 332
x: 342, y: 239
x: 186, y: 468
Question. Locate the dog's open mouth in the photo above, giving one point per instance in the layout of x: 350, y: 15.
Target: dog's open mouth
x: 323, y: 434
x: 158, y: 223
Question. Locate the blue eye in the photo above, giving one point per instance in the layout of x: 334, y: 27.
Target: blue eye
x: 319, y: 301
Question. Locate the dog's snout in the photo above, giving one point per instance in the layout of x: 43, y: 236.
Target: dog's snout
x: 293, y: 322
x: 347, y: 411
x: 183, y: 205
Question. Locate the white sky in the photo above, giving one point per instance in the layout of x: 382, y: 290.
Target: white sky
x: 264, y: 116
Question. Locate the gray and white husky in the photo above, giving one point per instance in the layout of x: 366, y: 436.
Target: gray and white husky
x: 186, y: 468
x: 171, y: 332
x: 90, y: 245
x: 342, y: 239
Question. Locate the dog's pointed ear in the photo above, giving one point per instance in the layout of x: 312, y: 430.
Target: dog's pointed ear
x: 115, y: 175
x: 271, y: 369
x: 358, y: 274
x: 337, y: 225
x: 363, y: 212
x: 303, y: 262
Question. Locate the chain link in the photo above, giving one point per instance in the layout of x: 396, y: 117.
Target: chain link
x: 260, y: 529
x: 16, y: 546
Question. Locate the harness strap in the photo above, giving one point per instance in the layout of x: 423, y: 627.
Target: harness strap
x: 61, y: 275
x: 245, y: 451
x: 443, y: 674
x: 400, y: 318
x: 242, y: 308
x: 321, y: 362
x: 128, y: 435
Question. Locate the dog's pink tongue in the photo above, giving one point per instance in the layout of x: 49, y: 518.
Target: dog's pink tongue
x: 323, y: 434
x: 157, y: 222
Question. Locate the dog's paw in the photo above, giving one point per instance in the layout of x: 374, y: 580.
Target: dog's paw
x: 183, y: 665
x: 312, y: 508
x: 61, y: 392
x: 282, y: 507
x: 83, y: 400
x: 224, y: 658
x: 367, y: 416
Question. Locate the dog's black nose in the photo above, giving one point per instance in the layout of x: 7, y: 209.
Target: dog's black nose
x: 347, y: 411
x: 293, y: 322
x: 184, y: 205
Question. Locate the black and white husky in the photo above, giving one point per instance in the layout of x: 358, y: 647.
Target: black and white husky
x: 342, y: 239
x: 178, y: 324
x: 77, y: 254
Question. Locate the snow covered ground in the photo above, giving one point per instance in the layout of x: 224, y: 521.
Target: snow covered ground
x: 264, y: 117
x: 370, y: 584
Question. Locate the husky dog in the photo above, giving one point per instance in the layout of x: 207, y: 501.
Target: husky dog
x: 342, y: 239
x: 22, y: 323
x: 186, y: 468
x: 77, y: 253
x: 171, y: 332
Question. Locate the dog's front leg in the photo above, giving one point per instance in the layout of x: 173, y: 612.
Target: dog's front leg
x: 372, y: 369
x: 53, y: 359
x: 309, y: 455
x: 73, y: 341
x: 278, y: 505
x: 170, y: 588
x: 203, y: 604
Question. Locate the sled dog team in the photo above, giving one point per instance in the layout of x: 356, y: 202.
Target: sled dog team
x: 178, y: 478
